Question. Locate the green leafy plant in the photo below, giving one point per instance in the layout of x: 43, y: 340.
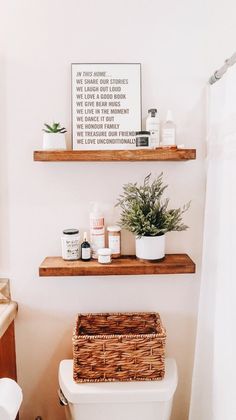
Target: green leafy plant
x: 145, y: 213
x: 54, y: 128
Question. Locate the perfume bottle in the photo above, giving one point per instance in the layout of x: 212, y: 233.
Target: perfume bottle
x: 85, y: 249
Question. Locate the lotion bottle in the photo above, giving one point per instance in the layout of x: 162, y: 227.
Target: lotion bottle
x: 153, y: 125
x: 97, y: 230
x: 168, y: 137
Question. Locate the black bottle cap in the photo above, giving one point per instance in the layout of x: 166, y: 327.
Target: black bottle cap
x: 70, y: 231
x: 138, y: 133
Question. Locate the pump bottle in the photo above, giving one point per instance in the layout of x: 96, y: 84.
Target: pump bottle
x: 97, y: 230
x: 153, y: 125
x: 168, y: 138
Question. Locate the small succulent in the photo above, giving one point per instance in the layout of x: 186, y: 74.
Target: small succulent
x: 54, y: 128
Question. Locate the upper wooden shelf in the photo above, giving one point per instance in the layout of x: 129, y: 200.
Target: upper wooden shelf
x: 114, y: 155
x: 126, y: 265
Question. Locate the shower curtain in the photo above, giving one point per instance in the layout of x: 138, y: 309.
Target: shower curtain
x: 214, y: 377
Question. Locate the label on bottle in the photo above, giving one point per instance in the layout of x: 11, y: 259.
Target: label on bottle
x: 70, y: 248
x: 114, y: 244
x: 97, y: 231
x: 86, y: 253
x: 142, y: 141
x: 96, y: 222
x: 152, y: 125
x: 154, y: 138
x: 97, y: 241
x: 168, y: 137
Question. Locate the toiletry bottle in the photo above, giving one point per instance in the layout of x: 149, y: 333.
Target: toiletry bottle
x: 153, y: 125
x: 85, y: 249
x: 168, y: 138
x: 114, y: 240
x: 97, y: 230
x: 70, y: 242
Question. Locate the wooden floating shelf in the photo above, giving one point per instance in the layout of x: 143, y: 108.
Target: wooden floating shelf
x: 126, y: 265
x: 114, y: 155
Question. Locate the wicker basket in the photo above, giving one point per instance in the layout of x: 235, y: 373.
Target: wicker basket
x: 119, y: 347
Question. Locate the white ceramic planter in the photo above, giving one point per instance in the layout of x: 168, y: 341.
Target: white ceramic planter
x: 54, y: 141
x: 150, y: 247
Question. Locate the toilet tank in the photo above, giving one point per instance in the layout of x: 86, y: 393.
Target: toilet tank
x: 148, y: 400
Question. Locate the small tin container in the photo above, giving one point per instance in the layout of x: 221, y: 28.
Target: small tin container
x: 143, y: 139
x: 104, y: 255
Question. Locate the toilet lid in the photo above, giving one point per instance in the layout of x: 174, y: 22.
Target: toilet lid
x: 107, y: 392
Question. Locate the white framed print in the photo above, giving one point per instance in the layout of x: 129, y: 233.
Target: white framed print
x: 106, y: 105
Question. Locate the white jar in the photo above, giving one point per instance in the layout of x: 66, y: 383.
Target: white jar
x: 70, y: 243
x: 104, y: 255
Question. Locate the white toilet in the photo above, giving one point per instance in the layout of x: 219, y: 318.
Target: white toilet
x: 10, y: 399
x: 148, y: 400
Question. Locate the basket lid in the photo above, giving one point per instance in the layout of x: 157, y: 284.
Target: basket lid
x: 117, y: 392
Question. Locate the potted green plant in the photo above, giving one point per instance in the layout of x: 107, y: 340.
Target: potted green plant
x: 54, y: 137
x: 145, y: 213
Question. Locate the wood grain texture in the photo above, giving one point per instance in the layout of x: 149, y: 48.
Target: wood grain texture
x: 114, y: 155
x: 126, y: 265
x: 8, y: 354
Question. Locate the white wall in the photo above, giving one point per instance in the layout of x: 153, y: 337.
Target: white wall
x: 38, y: 200
x: 221, y: 32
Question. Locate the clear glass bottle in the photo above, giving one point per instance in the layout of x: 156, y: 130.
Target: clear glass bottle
x: 168, y: 137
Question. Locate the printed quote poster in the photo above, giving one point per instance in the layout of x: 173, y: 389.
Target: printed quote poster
x: 106, y: 106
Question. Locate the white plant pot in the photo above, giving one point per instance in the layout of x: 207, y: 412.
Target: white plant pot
x: 54, y: 141
x: 150, y: 247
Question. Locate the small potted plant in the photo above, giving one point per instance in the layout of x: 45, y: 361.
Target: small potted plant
x: 54, y: 137
x: 145, y: 213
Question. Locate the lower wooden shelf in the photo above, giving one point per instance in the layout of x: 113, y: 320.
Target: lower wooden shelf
x: 126, y: 265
